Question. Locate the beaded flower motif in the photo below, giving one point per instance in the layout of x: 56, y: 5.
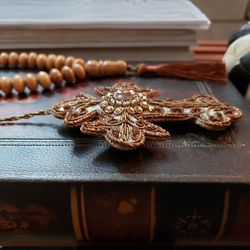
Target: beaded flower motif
x: 125, y: 112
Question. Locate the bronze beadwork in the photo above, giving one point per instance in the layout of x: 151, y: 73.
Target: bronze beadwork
x: 125, y: 112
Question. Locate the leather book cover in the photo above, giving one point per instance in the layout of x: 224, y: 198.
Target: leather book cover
x: 62, y: 188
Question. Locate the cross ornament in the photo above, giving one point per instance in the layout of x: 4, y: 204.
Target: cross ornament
x: 125, y: 113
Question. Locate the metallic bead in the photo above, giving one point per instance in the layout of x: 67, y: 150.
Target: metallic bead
x: 138, y: 109
x: 118, y: 110
x: 104, y: 104
x: 112, y: 101
x: 109, y: 109
x: 131, y: 110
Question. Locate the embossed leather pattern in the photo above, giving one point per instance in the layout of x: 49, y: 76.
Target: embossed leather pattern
x: 42, y: 149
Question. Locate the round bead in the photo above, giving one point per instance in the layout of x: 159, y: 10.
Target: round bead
x: 51, y: 61
x: 44, y: 79
x: 68, y: 74
x: 60, y: 61
x: 32, y: 57
x: 41, y: 61
x: 18, y: 84
x: 79, y: 71
x: 92, y: 68
x: 56, y: 77
x: 4, y: 60
x: 118, y: 110
x: 31, y: 82
x: 69, y: 61
x: 23, y: 60
x: 13, y: 59
x: 79, y: 61
x: 109, y: 109
x: 138, y: 109
x: 5, y: 85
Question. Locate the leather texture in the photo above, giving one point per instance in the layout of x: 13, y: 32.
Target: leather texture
x: 42, y: 149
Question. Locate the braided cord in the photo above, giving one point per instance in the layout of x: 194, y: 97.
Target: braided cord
x: 25, y: 116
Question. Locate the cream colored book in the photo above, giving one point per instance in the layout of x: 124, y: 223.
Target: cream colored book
x: 122, y: 14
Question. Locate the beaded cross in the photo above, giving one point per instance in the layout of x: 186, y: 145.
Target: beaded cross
x: 125, y: 112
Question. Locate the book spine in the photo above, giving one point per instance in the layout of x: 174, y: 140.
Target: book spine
x: 64, y: 214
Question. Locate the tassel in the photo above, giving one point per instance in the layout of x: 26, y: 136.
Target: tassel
x: 213, y: 72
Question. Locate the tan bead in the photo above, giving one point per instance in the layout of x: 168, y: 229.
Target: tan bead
x: 110, y: 68
x: 68, y: 74
x: 18, y: 84
x: 56, y: 77
x: 79, y: 71
x: 60, y: 61
x: 13, y: 59
x: 41, y: 61
x: 51, y: 61
x: 80, y: 61
x: 4, y: 60
x: 31, y: 82
x: 32, y: 57
x: 23, y: 60
x: 69, y: 61
x: 5, y: 85
x: 44, y: 79
x: 92, y: 68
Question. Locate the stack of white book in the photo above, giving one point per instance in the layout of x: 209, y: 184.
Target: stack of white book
x: 136, y: 30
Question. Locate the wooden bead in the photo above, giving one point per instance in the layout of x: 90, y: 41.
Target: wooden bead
x: 51, y: 61
x: 68, y: 74
x: 111, y: 68
x: 4, y: 60
x: 5, y: 85
x: 44, y: 79
x: 92, y: 68
x: 79, y: 61
x: 18, y: 84
x: 32, y: 57
x: 60, y: 62
x: 56, y: 77
x: 79, y: 71
x: 13, y: 60
x: 31, y: 82
x: 69, y: 61
x: 23, y: 60
x: 41, y: 61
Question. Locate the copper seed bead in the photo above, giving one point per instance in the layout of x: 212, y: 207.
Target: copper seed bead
x: 31, y: 82
x: 4, y: 60
x: 56, y: 77
x: 44, y: 79
x: 41, y: 61
x: 92, y: 68
x: 51, y: 61
x: 13, y: 60
x: 68, y: 74
x: 5, y: 85
x: 80, y: 61
x: 69, y: 61
x: 18, y: 84
x: 60, y: 61
x: 23, y: 60
x: 32, y: 57
x: 79, y: 71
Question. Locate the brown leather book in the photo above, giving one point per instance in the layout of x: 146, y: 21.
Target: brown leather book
x: 61, y: 188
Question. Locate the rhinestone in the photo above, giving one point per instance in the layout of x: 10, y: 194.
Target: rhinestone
x: 109, y: 109
x: 118, y: 111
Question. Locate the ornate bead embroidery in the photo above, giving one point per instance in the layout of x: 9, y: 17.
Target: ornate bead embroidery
x: 125, y: 112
